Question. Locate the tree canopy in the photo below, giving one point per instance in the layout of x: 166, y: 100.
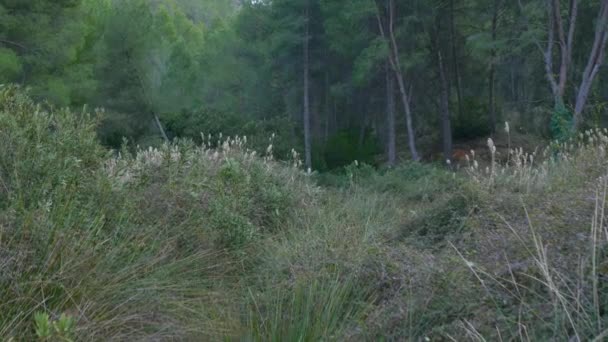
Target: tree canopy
x: 403, y: 79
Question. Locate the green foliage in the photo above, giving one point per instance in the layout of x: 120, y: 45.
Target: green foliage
x: 42, y: 143
x: 205, y: 126
x: 219, y: 243
x: 10, y: 65
x: 44, y: 43
x: 43, y: 325
x: 248, y: 204
x: 146, y: 233
x: 367, y: 63
x: 561, y: 123
x: 345, y: 147
x: 473, y: 121
x: 61, y: 329
x: 202, y: 239
x: 442, y: 218
x: 311, y: 311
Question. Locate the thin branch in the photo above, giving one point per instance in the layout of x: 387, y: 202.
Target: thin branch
x: 10, y: 42
x: 383, y: 34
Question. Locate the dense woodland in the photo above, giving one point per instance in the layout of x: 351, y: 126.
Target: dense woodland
x: 337, y: 80
x: 275, y: 170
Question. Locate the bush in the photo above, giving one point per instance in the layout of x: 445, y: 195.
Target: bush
x: 278, y: 131
x: 561, y: 123
x: 473, y: 120
x: 345, y: 147
x: 148, y: 229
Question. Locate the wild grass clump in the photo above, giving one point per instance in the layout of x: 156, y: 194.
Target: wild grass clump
x: 535, y: 245
x: 215, y: 241
x: 525, y: 262
x: 229, y: 193
x: 140, y: 246
x: 310, y: 310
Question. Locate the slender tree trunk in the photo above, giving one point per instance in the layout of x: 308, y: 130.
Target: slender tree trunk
x: 327, y: 107
x: 444, y: 92
x: 446, y: 126
x: 566, y: 44
x: 306, y: 99
x: 148, y: 100
x: 362, y: 129
x: 396, y: 66
x: 455, y: 57
x: 390, y: 117
x: 596, y: 59
x: 160, y: 127
x: 492, y: 98
x: 492, y: 85
x: 408, y: 117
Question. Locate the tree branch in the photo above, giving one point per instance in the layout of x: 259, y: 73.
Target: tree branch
x: 9, y: 42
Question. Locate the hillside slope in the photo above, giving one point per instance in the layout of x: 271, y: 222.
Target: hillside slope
x: 193, y: 242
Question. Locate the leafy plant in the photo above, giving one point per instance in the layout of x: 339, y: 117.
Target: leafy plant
x: 61, y: 329
x: 561, y: 123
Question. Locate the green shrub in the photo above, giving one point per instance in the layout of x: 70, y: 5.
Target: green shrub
x: 561, y: 123
x: 148, y: 229
x: 345, y: 147
x: 278, y: 131
x: 61, y: 329
x: 45, y: 152
x: 441, y: 218
x: 472, y: 122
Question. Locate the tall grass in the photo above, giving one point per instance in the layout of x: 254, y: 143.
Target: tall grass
x: 71, y: 243
x: 313, y: 311
x: 214, y: 241
x: 554, y: 245
x: 158, y: 243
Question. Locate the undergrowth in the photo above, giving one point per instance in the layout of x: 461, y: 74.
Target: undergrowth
x: 213, y: 241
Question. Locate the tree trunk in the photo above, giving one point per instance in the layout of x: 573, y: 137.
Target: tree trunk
x: 362, y: 130
x: 566, y: 44
x: 444, y: 92
x: 160, y: 127
x: 596, y: 58
x: 306, y: 99
x: 147, y: 99
x: 327, y: 107
x: 446, y: 127
x: 491, y: 85
x: 455, y: 58
x: 390, y: 117
x: 396, y: 66
x: 408, y: 117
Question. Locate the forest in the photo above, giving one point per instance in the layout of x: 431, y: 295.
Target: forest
x: 278, y: 170
x: 336, y: 80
